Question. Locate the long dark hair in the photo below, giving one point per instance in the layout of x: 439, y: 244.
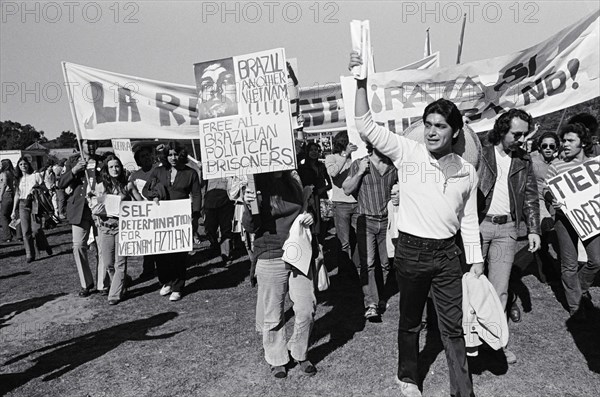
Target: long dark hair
x: 182, y: 154
x: 7, y: 166
x: 111, y: 183
x: 274, y: 189
x: 19, y: 173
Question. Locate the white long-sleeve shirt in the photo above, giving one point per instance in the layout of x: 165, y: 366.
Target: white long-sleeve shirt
x: 435, y: 202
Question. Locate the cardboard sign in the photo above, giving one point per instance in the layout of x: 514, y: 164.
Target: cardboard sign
x: 579, y: 191
x: 244, y: 115
x: 147, y: 228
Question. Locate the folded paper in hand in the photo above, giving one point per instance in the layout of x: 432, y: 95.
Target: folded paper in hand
x: 361, y: 43
x: 297, y: 249
x: 14, y: 223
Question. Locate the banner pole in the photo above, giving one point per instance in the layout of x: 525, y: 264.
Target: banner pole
x: 194, y: 149
x: 460, y: 42
x: 72, y: 105
x: 562, y: 118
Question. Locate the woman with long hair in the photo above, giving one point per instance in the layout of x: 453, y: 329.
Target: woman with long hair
x: 280, y: 201
x: 173, y: 180
x: 313, y: 172
x: 7, y: 193
x: 113, y: 182
x: 31, y: 225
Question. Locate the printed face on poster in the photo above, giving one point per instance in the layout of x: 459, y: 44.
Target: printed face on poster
x: 244, y: 115
x: 147, y: 228
x: 579, y: 191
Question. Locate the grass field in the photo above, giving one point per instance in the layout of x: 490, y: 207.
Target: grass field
x: 54, y: 343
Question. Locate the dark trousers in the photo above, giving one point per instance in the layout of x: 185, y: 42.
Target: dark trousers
x: 5, y: 215
x: 574, y: 280
x: 149, y: 265
x: 33, y: 234
x: 170, y: 269
x: 220, y: 218
x: 424, y: 264
x: 61, y: 203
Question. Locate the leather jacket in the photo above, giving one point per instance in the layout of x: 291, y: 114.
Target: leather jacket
x: 522, y: 188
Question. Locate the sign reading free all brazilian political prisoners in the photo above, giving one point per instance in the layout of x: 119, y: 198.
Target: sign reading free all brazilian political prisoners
x: 244, y: 115
x: 147, y: 228
x: 579, y: 190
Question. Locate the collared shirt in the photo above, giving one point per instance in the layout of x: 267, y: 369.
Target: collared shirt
x: 27, y: 183
x: 374, y: 191
x: 435, y: 202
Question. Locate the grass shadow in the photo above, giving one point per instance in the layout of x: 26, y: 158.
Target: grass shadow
x: 9, y: 310
x: 17, y: 274
x: 585, y: 335
x: 65, y: 356
x: 232, y: 276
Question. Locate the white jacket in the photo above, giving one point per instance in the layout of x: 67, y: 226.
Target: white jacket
x: 483, y: 314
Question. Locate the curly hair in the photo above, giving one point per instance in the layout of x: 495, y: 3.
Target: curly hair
x: 182, y: 154
x: 582, y: 132
x: 586, y: 119
x: 448, y: 110
x: 548, y: 134
x: 502, y: 124
x: 113, y: 184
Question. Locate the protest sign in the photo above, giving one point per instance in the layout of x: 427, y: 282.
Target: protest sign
x: 579, y: 191
x: 559, y: 72
x: 111, y: 105
x: 122, y: 149
x: 244, y: 115
x: 147, y: 228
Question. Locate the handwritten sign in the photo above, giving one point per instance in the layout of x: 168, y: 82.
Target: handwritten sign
x: 122, y: 149
x: 146, y: 228
x: 579, y: 190
x: 244, y: 115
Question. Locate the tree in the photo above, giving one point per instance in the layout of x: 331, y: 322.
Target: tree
x: 67, y: 139
x: 14, y: 136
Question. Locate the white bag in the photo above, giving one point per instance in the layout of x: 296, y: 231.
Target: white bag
x: 322, y: 276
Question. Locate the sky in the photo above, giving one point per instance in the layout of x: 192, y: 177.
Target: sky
x: 162, y: 40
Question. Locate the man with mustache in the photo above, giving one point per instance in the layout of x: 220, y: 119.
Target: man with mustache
x: 507, y: 201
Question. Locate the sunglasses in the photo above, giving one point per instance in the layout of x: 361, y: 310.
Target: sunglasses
x: 548, y: 145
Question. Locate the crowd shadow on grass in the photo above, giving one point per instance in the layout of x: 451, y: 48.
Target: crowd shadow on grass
x: 10, y: 310
x: 231, y: 276
x: 17, y: 274
x: 65, y: 356
x: 585, y: 334
x: 17, y: 252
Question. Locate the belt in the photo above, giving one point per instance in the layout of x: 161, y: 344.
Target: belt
x: 425, y: 242
x: 498, y: 219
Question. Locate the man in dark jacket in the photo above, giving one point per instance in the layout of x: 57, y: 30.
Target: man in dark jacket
x: 81, y: 170
x: 508, y: 199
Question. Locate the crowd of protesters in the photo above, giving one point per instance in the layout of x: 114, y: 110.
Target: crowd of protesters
x: 447, y: 219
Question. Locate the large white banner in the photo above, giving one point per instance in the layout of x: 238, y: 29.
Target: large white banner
x: 147, y: 228
x: 112, y: 105
x: 561, y: 71
x: 579, y: 191
x: 244, y: 114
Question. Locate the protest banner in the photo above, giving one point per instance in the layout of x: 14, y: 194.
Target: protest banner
x: 579, y: 191
x: 122, y: 149
x: 244, y: 115
x: 111, y: 105
x: 559, y: 72
x: 147, y: 228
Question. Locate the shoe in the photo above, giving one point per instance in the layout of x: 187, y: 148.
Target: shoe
x: 113, y: 301
x: 278, y: 371
x: 29, y: 260
x: 408, y: 389
x: 515, y: 313
x: 175, y: 296
x: 586, y: 300
x: 382, y: 306
x: 85, y: 292
x: 104, y: 292
x: 165, y: 290
x: 49, y: 251
x: 307, y: 368
x: 511, y: 358
x: 371, y: 313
